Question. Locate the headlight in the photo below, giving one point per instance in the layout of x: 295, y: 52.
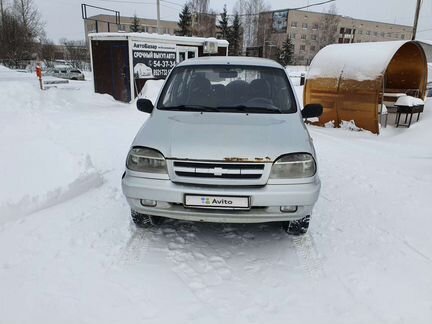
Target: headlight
x: 293, y: 166
x: 143, y: 159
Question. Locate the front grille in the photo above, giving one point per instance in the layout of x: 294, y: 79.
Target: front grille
x: 218, y: 170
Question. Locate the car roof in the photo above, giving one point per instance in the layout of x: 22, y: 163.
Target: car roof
x: 234, y: 60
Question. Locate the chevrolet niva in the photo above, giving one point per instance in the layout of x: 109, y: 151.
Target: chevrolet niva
x: 225, y: 142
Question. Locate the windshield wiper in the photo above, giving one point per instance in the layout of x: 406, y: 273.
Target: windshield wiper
x: 190, y: 108
x: 244, y: 108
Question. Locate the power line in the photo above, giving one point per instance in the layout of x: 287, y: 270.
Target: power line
x: 169, y: 7
x: 133, y: 2
x: 174, y: 3
x: 423, y: 30
x: 298, y: 8
x: 314, y: 4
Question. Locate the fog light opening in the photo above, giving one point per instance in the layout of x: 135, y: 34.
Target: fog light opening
x: 148, y: 202
x: 288, y: 209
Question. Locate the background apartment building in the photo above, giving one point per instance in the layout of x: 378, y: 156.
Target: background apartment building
x: 311, y: 31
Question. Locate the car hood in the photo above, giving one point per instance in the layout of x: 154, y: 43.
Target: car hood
x: 224, y: 136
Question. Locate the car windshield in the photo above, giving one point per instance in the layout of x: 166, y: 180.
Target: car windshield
x: 227, y: 88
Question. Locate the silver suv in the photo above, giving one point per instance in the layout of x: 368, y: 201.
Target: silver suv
x: 225, y: 142
x: 66, y: 72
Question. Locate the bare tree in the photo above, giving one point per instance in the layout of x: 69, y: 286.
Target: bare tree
x: 204, y: 24
x: 76, y: 52
x: 14, y: 47
x: 2, y: 12
x: 203, y: 19
x: 328, y: 27
x: 264, y: 33
x: 48, y: 51
x: 201, y: 6
x: 29, y: 17
x: 249, y: 10
x: 21, y: 32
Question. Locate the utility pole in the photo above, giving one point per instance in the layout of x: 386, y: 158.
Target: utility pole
x: 417, y: 13
x: 158, y: 15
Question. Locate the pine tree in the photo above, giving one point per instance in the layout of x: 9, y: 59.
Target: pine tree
x: 185, y: 22
x: 235, y: 34
x: 223, y: 23
x: 286, y: 54
x: 135, y: 24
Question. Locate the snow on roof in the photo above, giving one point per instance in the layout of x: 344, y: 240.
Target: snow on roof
x: 241, y: 60
x: 357, y: 61
x: 159, y: 37
x: 425, y: 41
x: 63, y: 66
x: 429, y: 72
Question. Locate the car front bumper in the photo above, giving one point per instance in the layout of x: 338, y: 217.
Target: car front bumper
x: 266, y: 201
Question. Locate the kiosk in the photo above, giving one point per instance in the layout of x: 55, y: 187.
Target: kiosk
x: 123, y: 62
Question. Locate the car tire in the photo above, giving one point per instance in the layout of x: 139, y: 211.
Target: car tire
x: 140, y: 220
x: 145, y: 221
x: 156, y: 220
x: 297, y: 227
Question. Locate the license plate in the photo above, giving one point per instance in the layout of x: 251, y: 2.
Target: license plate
x: 223, y: 202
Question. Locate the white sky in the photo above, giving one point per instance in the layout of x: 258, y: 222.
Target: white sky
x: 63, y: 17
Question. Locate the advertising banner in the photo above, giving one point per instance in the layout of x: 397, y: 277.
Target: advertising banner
x: 152, y: 60
x: 279, y: 22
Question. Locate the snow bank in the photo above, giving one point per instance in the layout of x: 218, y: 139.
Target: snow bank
x: 38, y: 166
x: 38, y: 169
x: 45, y: 184
x: 350, y: 125
x: 296, y: 70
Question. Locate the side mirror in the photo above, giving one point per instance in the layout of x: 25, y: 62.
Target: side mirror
x: 312, y: 110
x: 145, y: 105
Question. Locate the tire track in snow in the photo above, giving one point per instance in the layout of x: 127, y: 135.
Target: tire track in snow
x: 195, y: 261
x: 199, y: 266
x: 137, y: 246
x: 308, y: 256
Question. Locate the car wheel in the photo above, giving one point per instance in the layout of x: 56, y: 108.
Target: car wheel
x: 297, y: 227
x: 145, y: 221
x: 156, y: 220
x: 140, y: 220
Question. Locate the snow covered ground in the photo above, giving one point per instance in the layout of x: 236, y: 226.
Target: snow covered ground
x: 69, y: 253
